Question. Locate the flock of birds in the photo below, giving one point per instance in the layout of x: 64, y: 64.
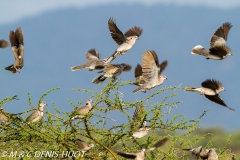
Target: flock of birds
x: 147, y: 76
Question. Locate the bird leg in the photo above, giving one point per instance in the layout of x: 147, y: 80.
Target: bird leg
x: 122, y: 53
x: 18, y: 70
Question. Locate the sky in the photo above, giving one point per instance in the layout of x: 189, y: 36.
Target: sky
x: 11, y: 10
x: 74, y: 20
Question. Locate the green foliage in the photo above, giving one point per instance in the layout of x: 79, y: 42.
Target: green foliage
x: 53, y: 134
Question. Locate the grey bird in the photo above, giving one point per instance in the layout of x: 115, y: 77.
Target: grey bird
x: 141, y: 155
x: 84, y: 146
x: 149, y: 75
x: 37, y: 115
x: 210, y: 88
x: 17, y: 44
x: 81, y: 112
x: 93, y: 63
x: 212, y: 155
x: 198, y: 152
x: 218, y: 49
x: 203, y: 153
x: 3, y: 117
x: 125, y: 41
x: 3, y: 43
x: 142, y: 132
x: 111, y: 71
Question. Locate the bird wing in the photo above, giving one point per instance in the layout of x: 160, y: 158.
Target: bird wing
x: 33, y: 116
x: 20, y: 41
x: 3, y: 43
x: 82, y: 144
x: 134, y: 31
x: 14, y: 43
x: 116, y: 34
x: 162, y: 66
x: 127, y: 155
x: 211, y: 84
x: 221, y: 34
x: 217, y: 99
x: 127, y: 67
x: 220, y: 51
x: 138, y: 118
x: 150, y: 66
x: 138, y: 71
x: 158, y: 144
x: 111, y: 68
x: 85, y: 65
x: 83, y: 110
x: 92, y: 55
x: 10, y: 68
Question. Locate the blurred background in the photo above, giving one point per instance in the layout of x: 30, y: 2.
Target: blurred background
x: 57, y: 35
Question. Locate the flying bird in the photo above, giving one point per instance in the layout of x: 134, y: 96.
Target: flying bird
x: 141, y: 155
x: 149, y: 75
x: 84, y: 146
x: 125, y: 41
x: 212, y: 155
x: 17, y: 44
x: 218, y: 49
x: 37, y: 115
x: 139, y: 118
x: 93, y: 63
x: 198, y: 152
x: 203, y: 153
x: 3, y: 43
x: 210, y: 88
x: 111, y: 71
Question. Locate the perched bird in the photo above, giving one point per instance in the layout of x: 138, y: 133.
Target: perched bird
x: 37, y: 115
x: 81, y: 112
x: 141, y: 155
x: 125, y: 41
x: 149, y: 75
x: 210, y: 88
x: 16, y: 40
x: 112, y: 71
x: 141, y: 133
x: 3, y: 117
x: 84, y: 146
x: 94, y: 61
x: 218, y: 49
x: 203, y: 153
x: 3, y: 43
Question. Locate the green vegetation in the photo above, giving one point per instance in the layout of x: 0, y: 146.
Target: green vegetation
x: 51, y: 138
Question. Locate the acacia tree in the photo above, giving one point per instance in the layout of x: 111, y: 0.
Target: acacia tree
x: 52, y: 138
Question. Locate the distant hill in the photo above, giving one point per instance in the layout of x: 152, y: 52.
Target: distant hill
x: 57, y: 40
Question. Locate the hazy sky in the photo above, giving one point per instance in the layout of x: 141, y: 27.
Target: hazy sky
x: 16, y: 10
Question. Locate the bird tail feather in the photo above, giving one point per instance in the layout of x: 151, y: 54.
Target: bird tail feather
x: 98, y: 80
x: 113, y: 56
x: 137, y: 90
x: 77, y: 67
x: 190, y: 89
